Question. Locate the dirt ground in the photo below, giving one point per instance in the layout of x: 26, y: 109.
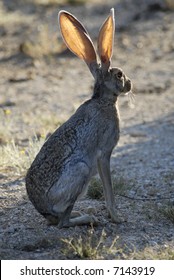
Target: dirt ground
x: 41, y: 87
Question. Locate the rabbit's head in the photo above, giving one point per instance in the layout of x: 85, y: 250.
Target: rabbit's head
x: 109, y: 81
x: 116, y: 81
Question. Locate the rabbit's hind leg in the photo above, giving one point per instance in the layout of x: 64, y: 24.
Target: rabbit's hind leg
x: 72, y: 219
x: 83, y: 220
x: 78, y: 221
x: 75, y: 214
x: 65, y: 217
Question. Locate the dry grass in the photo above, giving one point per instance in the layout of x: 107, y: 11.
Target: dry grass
x: 95, y: 189
x: 168, y: 212
x: 50, y: 122
x: 6, y: 125
x: 44, y: 123
x: 96, y: 247
x: 120, y: 186
x: 153, y: 253
x: 89, y: 246
x: 19, y: 159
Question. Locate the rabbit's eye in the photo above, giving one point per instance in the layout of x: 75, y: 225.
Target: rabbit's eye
x: 119, y: 75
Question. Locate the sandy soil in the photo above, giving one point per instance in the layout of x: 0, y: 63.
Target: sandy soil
x: 36, y: 88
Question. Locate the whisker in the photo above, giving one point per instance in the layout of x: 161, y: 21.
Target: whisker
x: 131, y: 97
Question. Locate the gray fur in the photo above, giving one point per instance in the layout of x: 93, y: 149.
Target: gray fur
x: 79, y: 148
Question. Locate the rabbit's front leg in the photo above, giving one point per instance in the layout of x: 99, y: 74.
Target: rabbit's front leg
x: 105, y: 175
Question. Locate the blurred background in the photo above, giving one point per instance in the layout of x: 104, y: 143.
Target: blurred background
x: 38, y: 73
x: 42, y: 84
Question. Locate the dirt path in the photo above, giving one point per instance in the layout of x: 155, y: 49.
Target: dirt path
x: 38, y: 93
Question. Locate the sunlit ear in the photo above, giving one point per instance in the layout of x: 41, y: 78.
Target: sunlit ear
x: 106, y: 41
x: 77, y: 39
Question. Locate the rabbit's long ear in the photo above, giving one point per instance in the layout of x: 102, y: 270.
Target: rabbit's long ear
x: 77, y: 39
x: 106, y: 41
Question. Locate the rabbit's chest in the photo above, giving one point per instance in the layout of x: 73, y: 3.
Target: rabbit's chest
x: 109, y: 137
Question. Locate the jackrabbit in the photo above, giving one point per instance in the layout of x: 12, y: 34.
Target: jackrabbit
x: 61, y: 171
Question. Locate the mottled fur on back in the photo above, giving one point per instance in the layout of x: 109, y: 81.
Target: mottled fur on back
x: 72, y: 142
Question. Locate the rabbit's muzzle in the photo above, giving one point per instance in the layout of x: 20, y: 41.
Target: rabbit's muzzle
x: 127, y: 85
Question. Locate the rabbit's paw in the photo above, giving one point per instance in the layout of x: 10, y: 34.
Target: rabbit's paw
x: 75, y: 214
x: 88, y: 220
x: 116, y: 217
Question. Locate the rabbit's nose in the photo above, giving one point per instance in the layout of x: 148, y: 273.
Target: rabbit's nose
x: 128, y: 85
x: 128, y: 80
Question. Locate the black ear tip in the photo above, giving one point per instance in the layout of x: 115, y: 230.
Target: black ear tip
x: 61, y: 12
x: 65, y: 14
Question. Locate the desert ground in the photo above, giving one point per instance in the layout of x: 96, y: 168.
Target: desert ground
x: 41, y: 86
